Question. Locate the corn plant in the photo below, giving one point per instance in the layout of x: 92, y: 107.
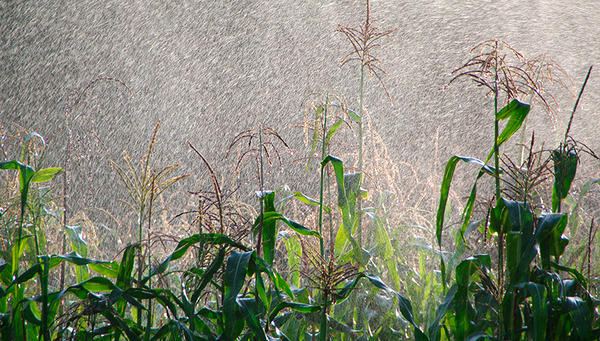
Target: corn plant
x: 144, y: 186
x: 30, y: 213
x: 364, y: 40
x: 526, y: 297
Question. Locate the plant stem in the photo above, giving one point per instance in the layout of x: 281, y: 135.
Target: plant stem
x: 262, y: 194
x: 323, y: 155
x: 360, y: 154
x: 323, y: 329
x: 498, y: 198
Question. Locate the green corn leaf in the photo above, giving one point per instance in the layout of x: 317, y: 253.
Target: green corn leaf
x: 185, y: 244
x: 332, y: 130
x: 346, y: 202
x: 572, y: 271
x: 208, y: 275
x: 108, y: 269
x: 446, y: 306
x: 517, y: 112
x: 17, y: 251
x: 25, y: 173
x: 124, y: 278
x: 445, y: 189
x: 233, y: 281
x: 27, y: 275
x: 250, y: 311
x: 182, y: 329
x: 463, y: 308
x: 45, y: 174
x: 281, y: 284
x: 565, y: 168
x: 581, y: 315
x: 261, y: 292
x: 294, y: 254
x: 119, y: 325
x: 269, y: 229
x: 466, y: 215
x: 96, y: 284
x: 338, y: 167
x: 354, y: 116
x: 76, y: 259
x: 305, y: 199
x: 32, y: 314
x: 539, y: 309
x: 550, y: 237
x: 270, y: 216
x: 299, y: 307
x: 80, y: 246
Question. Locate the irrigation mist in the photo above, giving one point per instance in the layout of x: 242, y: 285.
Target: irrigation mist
x: 211, y: 69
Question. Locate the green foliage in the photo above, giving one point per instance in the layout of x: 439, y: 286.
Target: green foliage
x: 359, y: 283
x: 526, y: 297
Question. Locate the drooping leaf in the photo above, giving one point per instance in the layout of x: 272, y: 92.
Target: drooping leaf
x: 108, y: 269
x: 354, y: 116
x: 539, y: 309
x: 517, y: 112
x: 185, y: 244
x: 208, y: 275
x: 281, y: 284
x: 346, y: 202
x: 443, y: 309
x: 80, y: 246
x: 550, y: 237
x: 124, y: 279
x: 294, y: 254
x: 233, y: 281
x: 271, y: 216
x: 582, y: 317
x: 305, y: 199
x: 269, y: 229
x: 25, y: 173
x: 565, y: 168
x: 250, y: 311
x: 572, y: 271
x: 120, y: 325
x: 332, y: 130
x: 468, y: 210
x: 445, y: 188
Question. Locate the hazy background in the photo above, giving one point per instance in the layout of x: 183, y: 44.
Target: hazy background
x: 211, y: 69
